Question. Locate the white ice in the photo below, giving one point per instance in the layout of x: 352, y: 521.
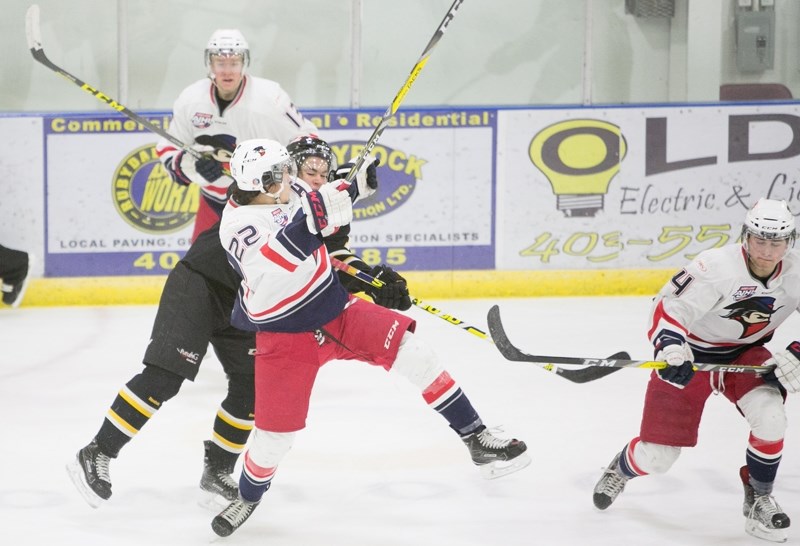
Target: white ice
x: 375, y: 466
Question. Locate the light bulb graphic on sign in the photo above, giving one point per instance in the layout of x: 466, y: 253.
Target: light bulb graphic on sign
x: 579, y: 157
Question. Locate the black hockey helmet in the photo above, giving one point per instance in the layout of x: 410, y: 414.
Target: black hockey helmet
x: 303, y: 147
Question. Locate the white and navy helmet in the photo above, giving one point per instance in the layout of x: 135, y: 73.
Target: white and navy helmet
x: 258, y: 163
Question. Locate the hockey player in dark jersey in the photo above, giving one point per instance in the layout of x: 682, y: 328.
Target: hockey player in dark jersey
x: 195, y: 310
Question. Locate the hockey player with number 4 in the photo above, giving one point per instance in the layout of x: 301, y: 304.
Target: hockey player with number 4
x: 272, y: 228
x: 722, y: 308
x: 212, y: 114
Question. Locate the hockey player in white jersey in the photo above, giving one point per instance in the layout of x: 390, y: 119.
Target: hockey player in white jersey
x: 272, y: 229
x: 212, y: 114
x: 722, y: 308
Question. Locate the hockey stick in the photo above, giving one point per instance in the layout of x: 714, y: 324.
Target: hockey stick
x: 398, y: 99
x: 576, y: 376
x: 377, y: 283
x: 510, y: 352
x: 34, y: 36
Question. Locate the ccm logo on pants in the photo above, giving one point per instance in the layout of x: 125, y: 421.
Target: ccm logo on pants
x: 388, y: 342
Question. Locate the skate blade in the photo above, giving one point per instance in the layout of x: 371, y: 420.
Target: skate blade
x: 76, y: 475
x: 758, y: 530
x: 212, y: 501
x: 499, y: 469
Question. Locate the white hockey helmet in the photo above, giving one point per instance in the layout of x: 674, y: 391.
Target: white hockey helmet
x: 258, y: 163
x: 769, y: 219
x: 227, y: 42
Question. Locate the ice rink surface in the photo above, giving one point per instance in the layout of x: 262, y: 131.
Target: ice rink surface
x: 375, y: 466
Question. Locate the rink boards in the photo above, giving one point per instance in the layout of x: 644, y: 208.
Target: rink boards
x: 472, y: 202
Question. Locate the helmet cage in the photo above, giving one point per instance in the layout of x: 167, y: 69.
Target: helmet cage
x: 301, y: 148
x: 227, y: 43
x: 258, y: 164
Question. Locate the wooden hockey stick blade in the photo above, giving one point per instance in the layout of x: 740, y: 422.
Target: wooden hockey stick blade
x: 510, y: 352
x: 34, y: 36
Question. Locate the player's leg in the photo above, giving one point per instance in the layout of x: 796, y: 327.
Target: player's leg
x: 670, y: 420
x: 233, y: 421
x: 383, y: 337
x: 286, y: 367
x: 179, y: 341
x: 137, y: 401
x: 762, y: 405
x: 206, y: 216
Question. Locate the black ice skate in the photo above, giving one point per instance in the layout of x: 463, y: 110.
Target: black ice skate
x: 496, y: 457
x: 216, y: 481
x: 765, y: 518
x: 230, y: 519
x: 15, y: 283
x: 610, y: 485
x: 89, y: 473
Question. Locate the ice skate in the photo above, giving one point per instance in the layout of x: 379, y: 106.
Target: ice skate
x: 765, y: 518
x: 14, y: 287
x: 232, y: 517
x: 610, y: 485
x: 89, y: 473
x: 219, y: 487
x: 496, y: 457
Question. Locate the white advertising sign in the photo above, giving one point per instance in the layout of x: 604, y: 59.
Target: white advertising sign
x: 633, y: 188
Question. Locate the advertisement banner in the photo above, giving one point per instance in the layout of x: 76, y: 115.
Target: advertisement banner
x: 636, y: 188
x: 112, y: 208
x: 434, y: 206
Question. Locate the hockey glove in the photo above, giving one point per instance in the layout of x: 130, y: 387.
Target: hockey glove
x: 327, y: 208
x: 366, y: 178
x: 787, y: 367
x: 208, y: 167
x: 679, y: 370
x: 394, y: 293
x: 186, y: 168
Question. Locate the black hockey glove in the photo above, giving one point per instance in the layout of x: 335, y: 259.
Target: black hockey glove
x: 372, y: 174
x: 208, y: 167
x: 394, y: 293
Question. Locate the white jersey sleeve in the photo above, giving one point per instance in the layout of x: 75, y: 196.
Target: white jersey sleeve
x: 288, y: 283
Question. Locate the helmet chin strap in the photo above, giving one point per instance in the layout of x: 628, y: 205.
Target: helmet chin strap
x: 277, y: 195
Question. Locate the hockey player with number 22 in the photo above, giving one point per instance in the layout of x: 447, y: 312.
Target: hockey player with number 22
x: 272, y: 229
x: 722, y: 308
x: 195, y: 311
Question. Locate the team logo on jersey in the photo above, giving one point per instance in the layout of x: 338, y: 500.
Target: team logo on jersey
x: 579, y: 157
x: 223, y: 146
x: 398, y: 175
x: 753, y: 314
x: 201, y: 120
x: 744, y: 292
x: 147, y: 198
x: 280, y: 217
